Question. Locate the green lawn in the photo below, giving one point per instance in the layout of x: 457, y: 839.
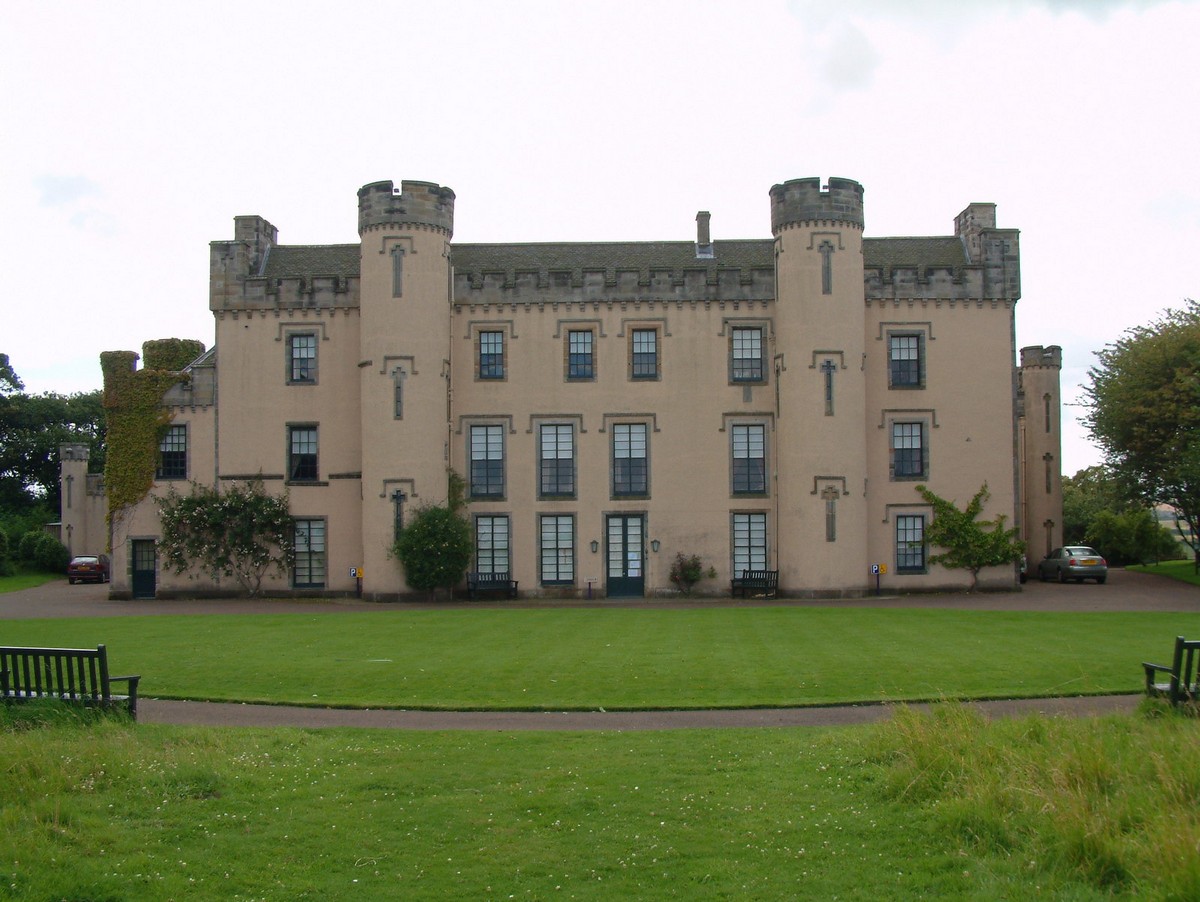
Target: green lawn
x: 1184, y: 571
x: 27, y: 581
x: 623, y: 658
x: 923, y: 806
x: 942, y: 806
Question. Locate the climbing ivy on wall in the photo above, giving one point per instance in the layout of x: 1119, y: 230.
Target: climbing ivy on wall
x: 137, y: 419
x: 170, y: 354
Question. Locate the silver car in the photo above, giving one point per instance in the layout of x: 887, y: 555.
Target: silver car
x: 1077, y: 562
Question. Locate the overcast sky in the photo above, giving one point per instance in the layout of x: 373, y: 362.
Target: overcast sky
x: 133, y: 133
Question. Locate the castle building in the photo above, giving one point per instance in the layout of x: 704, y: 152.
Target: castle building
x: 763, y: 403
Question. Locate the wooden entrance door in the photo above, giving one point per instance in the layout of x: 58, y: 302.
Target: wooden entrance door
x: 145, y: 565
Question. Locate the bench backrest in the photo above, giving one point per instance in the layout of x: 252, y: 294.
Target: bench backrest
x: 1187, y: 655
x: 764, y: 576
x: 64, y: 672
x: 489, y: 578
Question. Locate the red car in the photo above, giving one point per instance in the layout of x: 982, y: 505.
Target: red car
x: 88, y: 568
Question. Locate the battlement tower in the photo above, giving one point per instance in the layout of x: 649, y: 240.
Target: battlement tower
x: 801, y: 201
x: 405, y: 304
x: 414, y: 204
x: 819, y: 334
x: 1040, y: 436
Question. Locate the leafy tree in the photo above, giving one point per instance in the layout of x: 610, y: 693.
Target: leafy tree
x: 1133, y: 536
x: 31, y: 429
x: 435, y: 548
x: 971, y: 544
x: 1096, y: 512
x: 10, y: 382
x: 1143, y: 405
x: 1086, y: 495
x: 241, y: 532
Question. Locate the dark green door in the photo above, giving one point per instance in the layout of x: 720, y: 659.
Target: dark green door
x: 145, y: 559
x: 626, y: 556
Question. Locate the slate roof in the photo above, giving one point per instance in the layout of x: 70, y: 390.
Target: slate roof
x: 472, y: 258
x: 289, y: 261
x: 292, y: 260
x: 921, y: 253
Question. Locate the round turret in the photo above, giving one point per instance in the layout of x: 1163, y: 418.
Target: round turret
x: 803, y: 200
x: 1036, y: 355
x: 416, y: 203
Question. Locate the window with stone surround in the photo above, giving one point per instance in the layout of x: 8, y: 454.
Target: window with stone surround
x: 749, y: 449
x: 746, y: 354
x: 581, y: 355
x: 492, y: 544
x: 643, y: 357
x: 630, y: 459
x: 906, y: 360
x: 909, y: 452
x: 491, y: 355
x: 487, y: 461
x: 910, y: 543
x: 308, y: 545
x: 172, y: 454
x: 556, y: 460
x: 749, y: 542
x: 302, y: 358
x: 557, y: 549
x: 302, y: 454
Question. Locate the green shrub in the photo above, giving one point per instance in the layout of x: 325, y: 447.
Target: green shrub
x: 687, y: 570
x: 42, y: 551
x: 435, y: 548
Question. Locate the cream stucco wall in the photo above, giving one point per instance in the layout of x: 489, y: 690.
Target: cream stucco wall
x: 398, y: 389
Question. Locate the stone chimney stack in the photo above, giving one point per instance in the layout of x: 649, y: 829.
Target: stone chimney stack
x: 704, y: 246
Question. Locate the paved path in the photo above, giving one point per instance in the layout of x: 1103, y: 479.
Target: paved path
x: 224, y: 714
x: 1123, y: 592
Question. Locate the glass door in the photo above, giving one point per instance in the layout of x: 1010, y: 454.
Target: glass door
x: 626, y: 556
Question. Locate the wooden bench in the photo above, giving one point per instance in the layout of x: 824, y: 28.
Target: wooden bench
x: 760, y: 582
x: 76, y: 675
x: 491, y: 582
x: 1183, y: 680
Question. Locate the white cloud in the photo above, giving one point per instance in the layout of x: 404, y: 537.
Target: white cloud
x: 63, y: 190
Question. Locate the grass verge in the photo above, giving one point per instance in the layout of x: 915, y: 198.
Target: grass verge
x: 943, y: 805
x: 1183, y: 571
x: 626, y: 658
x: 27, y: 581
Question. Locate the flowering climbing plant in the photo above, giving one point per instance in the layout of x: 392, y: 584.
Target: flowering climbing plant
x: 242, y: 532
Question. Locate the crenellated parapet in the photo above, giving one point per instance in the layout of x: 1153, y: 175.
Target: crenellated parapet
x: 1038, y: 357
x: 312, y: 292
x: 996, y: 251
x: 286, y: 277
x: 231, y: 262
x: 413, y: 204
x: 805, y: 201
x: 617, y: 272
x: 979, y: 262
